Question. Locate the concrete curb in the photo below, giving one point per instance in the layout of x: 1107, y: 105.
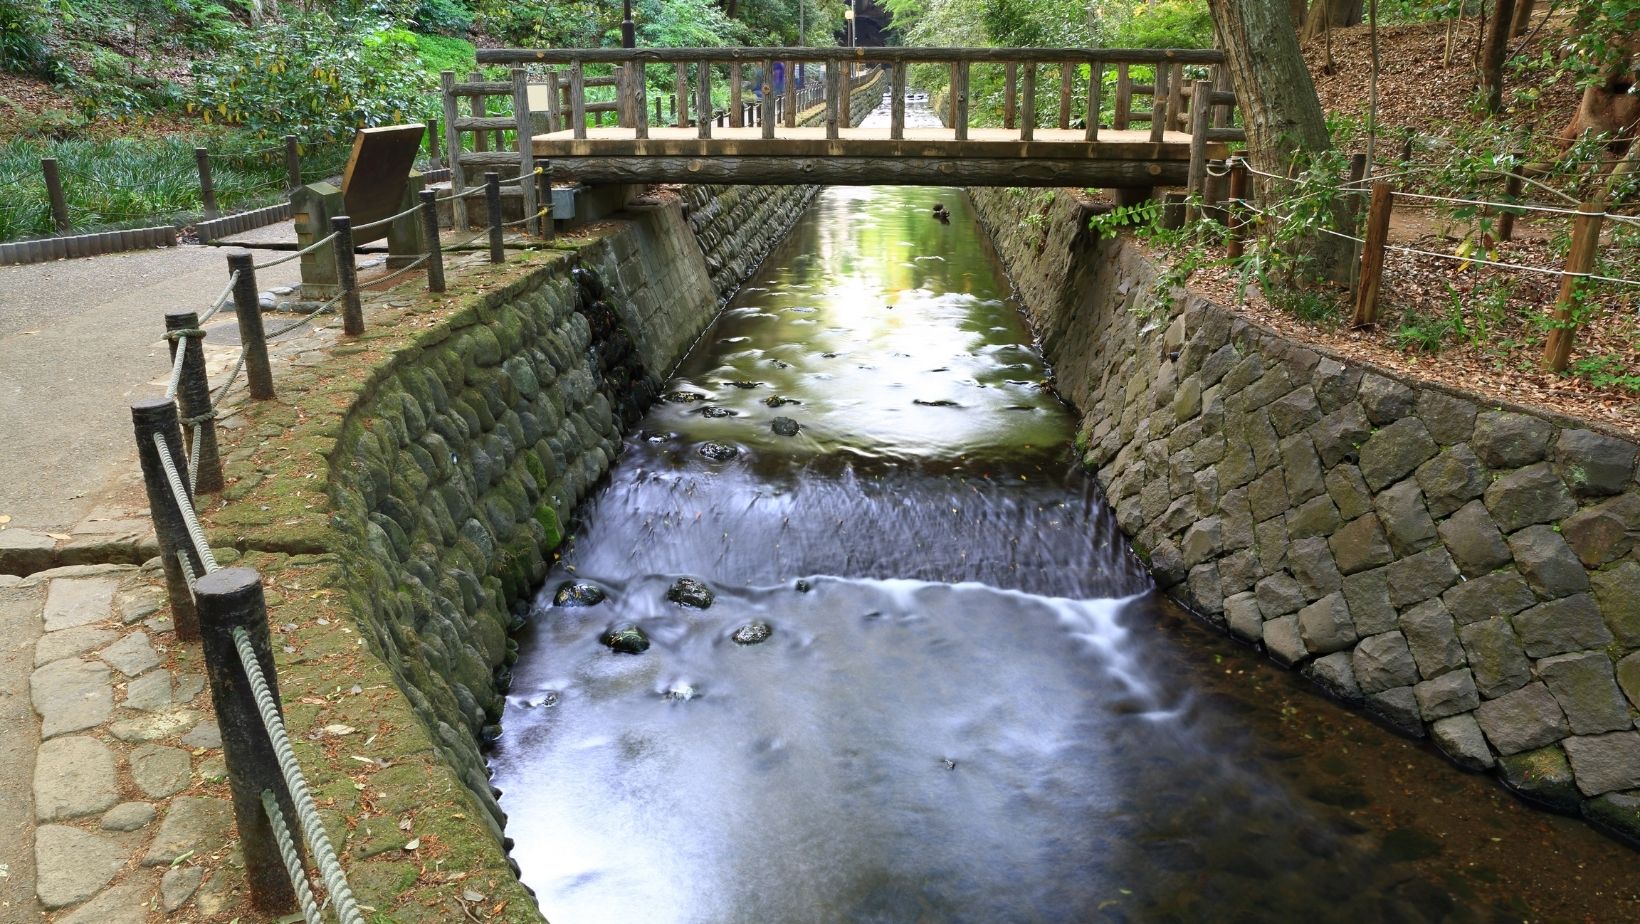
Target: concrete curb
x: 73, y: 246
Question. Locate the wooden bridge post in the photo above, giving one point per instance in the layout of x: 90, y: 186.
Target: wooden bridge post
x: 703, y: 99
x: 1557, y: 350
x: 1201, y: 109
x: 555, y: 109
x: 526, y: 145
x: 1175, y: 98
x: 736, y: 115
x: 1027, y: 118
x: 578, y: 98
x: 452, y: 141
x: 896, y: 119
x: 680, y: 98
x: 475, y: 108
x: 1158, y: 105
x: 1067, y: 70
x: 1372, y: 256
x: 1010, y: 95
x: 1124, y: 99
x: 766, y: 117
x: 834, y: 92
x: 791, y: 94
x: 640, y: 104
x: 959, y: 99
x: 1096, y: 89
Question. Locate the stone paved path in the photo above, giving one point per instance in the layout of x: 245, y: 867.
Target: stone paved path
x: 125, y: 795
x: 114, y: 806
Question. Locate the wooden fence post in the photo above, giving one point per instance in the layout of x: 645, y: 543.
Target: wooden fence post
x: 1372, y: 256
x: 194, y: 398
x: 1238, y: 209
x: 207, y: 189
x: 1557, y: 350
x: 293, y: 164
x: 148, y: 417
x: 232, y: 598
x: 1513, y: 184
x: 492, y: 201
x: 429, y: 229
x: 347, y: 275
x: 253, y: 339
x: 54, y: 191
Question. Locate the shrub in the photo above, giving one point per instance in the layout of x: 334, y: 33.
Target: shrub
x: 314, y: 74
x: 445, y: 17
x: 22, y: 34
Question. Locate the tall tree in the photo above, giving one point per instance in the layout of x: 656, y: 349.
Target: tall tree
x: 1285, y: 124
x: 1497, y: 47
x: 1326, y: 15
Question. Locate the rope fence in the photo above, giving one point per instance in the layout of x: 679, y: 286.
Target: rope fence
x: 53, y: 173
x: 1578, y: 271
x: 224, y: 609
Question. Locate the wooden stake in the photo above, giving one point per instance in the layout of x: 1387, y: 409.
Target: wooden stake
x: 1238, y: 211
x: 1372, y: 255
x: 1557, y: 351
x: 1513, y: 185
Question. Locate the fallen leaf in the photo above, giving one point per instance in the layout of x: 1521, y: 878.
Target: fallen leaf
x: 468, y: 895
x: 412, y: 843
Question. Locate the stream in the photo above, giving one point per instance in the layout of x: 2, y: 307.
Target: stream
x: 970, y: 704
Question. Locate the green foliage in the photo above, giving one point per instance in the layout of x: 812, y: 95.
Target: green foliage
x: 1161, y: 24
x: 130, y: 182
x: 22, y: 37
x: 447, y: 17
x: 314, y: 74
x: 1606, y: 372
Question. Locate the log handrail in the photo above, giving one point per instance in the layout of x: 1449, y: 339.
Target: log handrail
x: 845, y: 55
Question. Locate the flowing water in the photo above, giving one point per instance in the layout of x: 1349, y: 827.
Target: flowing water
x: 971, y: 705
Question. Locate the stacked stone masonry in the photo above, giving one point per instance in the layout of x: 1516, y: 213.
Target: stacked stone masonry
x: 1461, y: 570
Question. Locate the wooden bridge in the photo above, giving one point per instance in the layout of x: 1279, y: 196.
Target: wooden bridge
x: 1173, y: 112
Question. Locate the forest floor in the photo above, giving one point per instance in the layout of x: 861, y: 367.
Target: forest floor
x: 1461, y: 323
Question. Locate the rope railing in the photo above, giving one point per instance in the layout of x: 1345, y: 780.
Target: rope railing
x: 232, y: 615
x: 223, y: 608
x: 1580, y: 266
x: 53, y: 174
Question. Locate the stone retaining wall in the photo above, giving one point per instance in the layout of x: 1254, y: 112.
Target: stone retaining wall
x: 1462, y: 570
x: 435, y: 461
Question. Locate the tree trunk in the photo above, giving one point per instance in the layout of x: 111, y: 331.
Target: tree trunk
x: 1284, y: 122
x: 1523, y: 17
x: 1326, y: 15
x: 1296, y: 7
x: 1497, y: 46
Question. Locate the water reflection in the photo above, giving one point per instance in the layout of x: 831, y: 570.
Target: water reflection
x: 971, y: 706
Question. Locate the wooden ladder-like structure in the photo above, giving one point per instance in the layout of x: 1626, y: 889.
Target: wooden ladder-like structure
x: 467, y: 167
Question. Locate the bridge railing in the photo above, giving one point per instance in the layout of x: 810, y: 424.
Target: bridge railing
x: 1170, y: 107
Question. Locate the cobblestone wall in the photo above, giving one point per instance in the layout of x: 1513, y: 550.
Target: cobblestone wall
x: 459, y: 467
x: 1461, y: 570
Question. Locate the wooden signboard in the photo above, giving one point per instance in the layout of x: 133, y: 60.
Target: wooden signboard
x: 378, y: 171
